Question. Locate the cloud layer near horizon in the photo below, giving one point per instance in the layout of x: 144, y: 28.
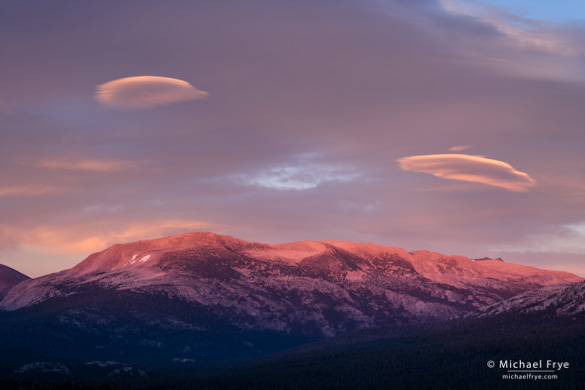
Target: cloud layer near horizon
x: 81, y: 165
x: 476, y: 169
x: 141, y: 92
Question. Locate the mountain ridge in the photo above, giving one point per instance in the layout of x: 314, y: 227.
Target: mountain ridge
x: 322, y: 287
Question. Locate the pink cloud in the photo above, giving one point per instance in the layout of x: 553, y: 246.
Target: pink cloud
x: 30, y: 191
x: 475, y: 169
x: 141, y: 92
x: 459, y: 148
x: 81, y: 165
x: 93, y: 236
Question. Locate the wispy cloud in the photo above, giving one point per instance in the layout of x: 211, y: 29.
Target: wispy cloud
x: 520, y: 31
x: 141, y: 92
x: 95, y: 236
x: 459, y: 148
x: 30, y: 190
x: 38, y: 250
x: 300, y: 175
x: 475, y: 169
x: 81, y: 165
x: 522, y: 47
x: 568, y: 238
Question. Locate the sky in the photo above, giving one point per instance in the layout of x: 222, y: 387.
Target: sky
x: 545, y: 10
x: 452, y: 126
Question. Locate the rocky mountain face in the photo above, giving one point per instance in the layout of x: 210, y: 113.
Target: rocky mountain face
x: 563, y: 300
x: 204, y: 282
x: 8, y: 279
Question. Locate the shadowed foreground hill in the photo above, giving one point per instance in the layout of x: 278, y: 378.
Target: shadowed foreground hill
x: 451, y: 355
x: 8, y: 279
x: 443, y: 356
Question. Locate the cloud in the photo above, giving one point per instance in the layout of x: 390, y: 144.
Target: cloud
x: 303, y: 174
x: 568, y: 238
x: 89, y: 237
x: 523, y: 32
x: 558, y: 261
x: 39, y: 250
x: 522, y: 47
x: 81, y: 165
x: 141, y: 92
x: 29, y: 190
x: 459, y: 148
x: 475, y: 169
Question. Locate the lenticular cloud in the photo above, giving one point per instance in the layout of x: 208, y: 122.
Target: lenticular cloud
x: 141, y: 92
x: 475, y: 169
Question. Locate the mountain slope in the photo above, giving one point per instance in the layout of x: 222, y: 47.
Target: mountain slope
x: 8, y: 279
x: 309, y: 288
x: 442, y: 355
x: 564, y: 300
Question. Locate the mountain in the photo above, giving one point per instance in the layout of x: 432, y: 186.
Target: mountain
x: 308, y: 288
x: 564, y: 300
x: 8, y: 279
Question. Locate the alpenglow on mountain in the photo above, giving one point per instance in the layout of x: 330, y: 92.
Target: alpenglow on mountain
x: 307, y: 288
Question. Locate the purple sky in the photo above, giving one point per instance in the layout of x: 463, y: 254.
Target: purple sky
x: 422, y: 124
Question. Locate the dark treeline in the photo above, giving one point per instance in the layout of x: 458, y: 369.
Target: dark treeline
x: 447, y: 355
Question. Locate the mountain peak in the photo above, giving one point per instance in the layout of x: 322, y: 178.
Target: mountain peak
x: 9, y: 278
x: 193, y: 239
x: 145, y: 253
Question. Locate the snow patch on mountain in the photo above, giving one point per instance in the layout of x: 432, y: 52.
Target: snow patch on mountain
x: 144, y: 259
